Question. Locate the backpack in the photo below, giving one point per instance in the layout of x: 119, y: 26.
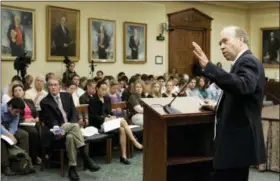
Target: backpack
x: 20, y: 162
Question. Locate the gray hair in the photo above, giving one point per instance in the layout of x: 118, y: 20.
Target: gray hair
x: 239, y: 33
x: 40, y: 77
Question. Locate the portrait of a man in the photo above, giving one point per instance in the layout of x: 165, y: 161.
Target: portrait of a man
x: 271, y: 46
x: 135, y: 35
x: 64, y: 33
x: 18, y: 32
x: 102, y: 40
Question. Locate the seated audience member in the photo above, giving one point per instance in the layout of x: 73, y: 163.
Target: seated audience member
x: 127, y: 92
x: 175, y: 80
x: 37, y: 93
x: 201, y: 88
x: 161, y: 80
x: 83, y: 83
x: 192, y: 90
x: 174, y: 72
x: 28, y: 79
x: 134, y: 105
x: 100, y: 109
x: 145, y: 77
x: 76, y: 80
x: 120, y: 75
x: 181, y: 84
x: 121, y: 87
x: 29, y: 115
x: 71, y: 89
x: 90, y: 91
x: 8, y: 96
x: 151, y: 77
x: 58, y: 109
x: 169, y: 88
x: 155, y: 90
x: 9, y: 127
x: 214, y: 92
x: 115, y: 97
x: 99, y: 75
x: 48, y: 76
x: 69, y: 73
x: 5, y: 89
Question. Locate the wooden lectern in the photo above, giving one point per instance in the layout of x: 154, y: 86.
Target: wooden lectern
x: 179, y: 146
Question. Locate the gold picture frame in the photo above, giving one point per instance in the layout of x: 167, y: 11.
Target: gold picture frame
x: 63, y: 34
x: 19, y: 40
x: 102, y: 46
x: 134, y: 49
x: 270, y: 57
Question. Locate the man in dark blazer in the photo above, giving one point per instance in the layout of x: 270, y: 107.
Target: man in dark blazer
x: 57, y: 109
x: 62, y: 41
x: 90, y: 92
x: 239, y: 140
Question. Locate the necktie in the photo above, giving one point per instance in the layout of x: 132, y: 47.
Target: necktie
x: 59, y: 103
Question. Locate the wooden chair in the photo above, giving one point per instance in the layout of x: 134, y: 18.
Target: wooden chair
x: 83, y: 112
x: 137, y: 130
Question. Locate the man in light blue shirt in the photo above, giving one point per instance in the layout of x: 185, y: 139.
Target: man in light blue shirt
x: 9, y: 127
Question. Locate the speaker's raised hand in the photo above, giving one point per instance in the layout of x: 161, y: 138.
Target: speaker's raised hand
x: 198, y: 52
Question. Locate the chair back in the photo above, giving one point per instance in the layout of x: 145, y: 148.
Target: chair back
x: 82, y: 111
x: 122, y: 106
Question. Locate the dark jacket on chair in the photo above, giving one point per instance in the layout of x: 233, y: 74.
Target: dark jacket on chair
x: 97, y: 111
x: 239, y: 139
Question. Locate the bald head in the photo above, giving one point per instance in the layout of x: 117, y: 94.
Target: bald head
x: 233, y: 41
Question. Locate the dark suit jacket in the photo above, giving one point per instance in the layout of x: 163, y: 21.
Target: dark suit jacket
x: 97, y: 111
x: 84, y: 99
x: 31, y: 105
x: 239, y: 139
x: 50, y: 113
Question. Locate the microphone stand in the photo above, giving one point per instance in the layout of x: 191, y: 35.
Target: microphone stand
x: 170, y: 110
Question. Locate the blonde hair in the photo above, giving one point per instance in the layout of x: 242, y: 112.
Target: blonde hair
x: 156, y: 94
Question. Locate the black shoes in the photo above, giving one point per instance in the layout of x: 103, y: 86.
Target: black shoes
x: 124, y: 161
x: 91, y: 165
x: 73, y: 175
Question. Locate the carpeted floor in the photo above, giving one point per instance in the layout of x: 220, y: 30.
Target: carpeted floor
x: 117, y: 172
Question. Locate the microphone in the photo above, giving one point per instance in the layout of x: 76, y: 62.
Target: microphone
x: 168, y: 109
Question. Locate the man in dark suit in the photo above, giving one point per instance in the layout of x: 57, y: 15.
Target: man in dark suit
x: 62, y: 40
x: 57, y: 109
x: 90, y: 91
x: 134, y: 44
x: 239, y: 140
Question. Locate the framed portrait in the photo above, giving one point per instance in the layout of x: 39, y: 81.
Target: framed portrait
x: 135, y: 42
x: 159, y: 59
x: 270, y: 47
x: 102, y: 40
x: 63, y: 33
x: 18, y: 32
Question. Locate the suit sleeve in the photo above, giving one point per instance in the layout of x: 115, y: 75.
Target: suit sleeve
x: 93, y: 113
x: 46, y: 115
x: 243, y: 82
x: 74, y: 115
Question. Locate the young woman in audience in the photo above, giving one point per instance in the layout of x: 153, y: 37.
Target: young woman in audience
x: 192, y: 90
x: 71, y: 88
x: 127, y: 92
x: 134, y: 105
x: 29, y: 115
x: 161, y: 80
x: 83, y: 83
x: 156, y: 90
x: 5, y: 89
x: 202, y: 93
x: 100, y: 109
x: 8, y: 96
x: 115, y: 97
x: 169, y: 88
x: 28, y: 82
x: 181, y: 84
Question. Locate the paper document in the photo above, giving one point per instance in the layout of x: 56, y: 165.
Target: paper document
x: 27, y: 124
x: 133, y: 126
x: 7, y: 139
x: 111, y: 125
x: 89, y: 131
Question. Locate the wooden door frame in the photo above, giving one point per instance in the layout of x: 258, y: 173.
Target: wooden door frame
x: 204, y: 27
